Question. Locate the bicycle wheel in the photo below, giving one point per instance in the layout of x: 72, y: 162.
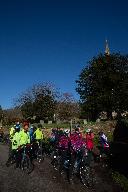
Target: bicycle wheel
x: 86, y: 174
x: 26, y: 164
x: 55, y: 162
x: 40, y: 156
x: 10, y: 162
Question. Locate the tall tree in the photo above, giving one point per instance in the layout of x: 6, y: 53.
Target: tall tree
x: 103, y: 85
x: 39, y: 101
x: 12, y: 115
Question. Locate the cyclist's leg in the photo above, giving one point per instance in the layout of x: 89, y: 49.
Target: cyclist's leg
x: 35, y: 149
x: 89, y: 159
x: 18, y: 158
x: 10, y: 158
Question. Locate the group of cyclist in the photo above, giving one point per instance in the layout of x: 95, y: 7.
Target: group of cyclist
x: 76, y: 141
x: 73, y: 152
x: 87, y: 136
x: 21, y: 136
x: 59, y: 138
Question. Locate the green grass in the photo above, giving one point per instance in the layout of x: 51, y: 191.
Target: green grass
x: 54, y: 125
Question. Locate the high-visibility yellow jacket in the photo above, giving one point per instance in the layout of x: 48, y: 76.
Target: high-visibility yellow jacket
x: 24, y: 138
x: 11, y: 133
x: 38, y: 135
x: 16, y: 141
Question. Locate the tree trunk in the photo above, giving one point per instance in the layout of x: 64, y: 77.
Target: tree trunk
x: 109, y: 115
x: 118, y: 115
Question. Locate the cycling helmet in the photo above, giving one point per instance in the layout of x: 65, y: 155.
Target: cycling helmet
x: 67, y: 131
x: 88, y: 130
x: 17, y: 127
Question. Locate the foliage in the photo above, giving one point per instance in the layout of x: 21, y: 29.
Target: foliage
x: 110, y: 136
x: 103, y: 85
x: 43, y: 101
x: 96, y: 140
x: 121, y: 131
x: 121, y: 180
x: 38, y: 101
x: 67, y: 107
x: 12, y: 115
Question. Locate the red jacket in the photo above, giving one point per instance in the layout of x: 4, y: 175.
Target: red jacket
x: 89, y: 141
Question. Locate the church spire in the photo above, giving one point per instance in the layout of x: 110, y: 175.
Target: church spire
x: 107, y: 51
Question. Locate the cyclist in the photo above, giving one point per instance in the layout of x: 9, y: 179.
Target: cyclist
x: 104, y: 145
x: 78, y: 132
x: 24, y: 139
x: 12, y: 132
x: 31, y: 133
x: 64, y: 140
x: 76, y: 138
x: 55, y: 136
x: 24, y: 136
x: 89, y: 143
x: 89, y: 139
x: 38, y: 134
x: 14, y: 146
x: 38, y: 137
x: 63, y: 147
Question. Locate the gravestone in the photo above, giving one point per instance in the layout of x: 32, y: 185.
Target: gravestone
x: 49, y: 122
x: 34, y: 117
x: 58, y: 122
x: 85, y: 122
x: 41, y: 122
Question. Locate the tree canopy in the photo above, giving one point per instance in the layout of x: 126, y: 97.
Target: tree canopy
x: 67, y: 107
x: 38, y: 101
x: 103, y: 85
x: 44, y: 101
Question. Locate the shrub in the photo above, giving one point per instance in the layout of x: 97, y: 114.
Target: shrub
x: 121, y: 180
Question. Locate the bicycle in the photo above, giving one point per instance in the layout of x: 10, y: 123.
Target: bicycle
x: 26, y: 160
x: 12, y: 159
x: 77, y: 164
x: 55, y: 159
x: 86, y: 172
x: 39, y: 151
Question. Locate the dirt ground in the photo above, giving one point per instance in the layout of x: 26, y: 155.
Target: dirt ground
x: 45, y: 179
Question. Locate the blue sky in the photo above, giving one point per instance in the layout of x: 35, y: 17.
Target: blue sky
x: 52, y: 40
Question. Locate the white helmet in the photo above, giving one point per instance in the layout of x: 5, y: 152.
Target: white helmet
x: 66, y: 131
x: 88, y: 130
